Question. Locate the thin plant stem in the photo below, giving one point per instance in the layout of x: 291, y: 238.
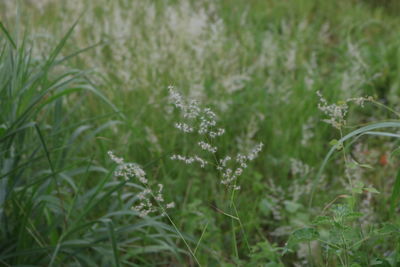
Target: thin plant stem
x: 200, y: 239
x: 164, y: 212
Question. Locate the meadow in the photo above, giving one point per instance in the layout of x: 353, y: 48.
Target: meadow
x: 199, y: 133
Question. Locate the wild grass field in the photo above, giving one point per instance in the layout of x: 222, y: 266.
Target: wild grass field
x: 199, y: 133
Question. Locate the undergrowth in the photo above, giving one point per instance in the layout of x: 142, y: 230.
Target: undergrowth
x: 199, y: 133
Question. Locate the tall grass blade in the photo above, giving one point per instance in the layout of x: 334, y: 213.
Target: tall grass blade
x: 355, y: 133
x: 111, y: 232
x: 7, y: 34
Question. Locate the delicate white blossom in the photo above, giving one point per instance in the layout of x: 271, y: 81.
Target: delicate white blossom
x: 131, y: 171
x: 204, y: 122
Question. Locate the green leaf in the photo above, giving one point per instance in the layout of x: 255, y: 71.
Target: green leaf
x: 7, y: 34
x: 366, y: 130
x: 371, y: 190
x: 111, y: 232
x: 353, y: 215
x: 319, y: 220
x: 335, y: 143
x: 305, y: 235
x: 388, y: 228
x: 366, y: 166
x: 380, y: 262
x: 358, y: 187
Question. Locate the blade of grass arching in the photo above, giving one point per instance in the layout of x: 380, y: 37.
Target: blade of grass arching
x: 82, y: 87
x: 80, y: 185
x: 72, y: 207
x: 164, y: 231
x: 8, y: 36
x: 102, y: 127
x: 52, y: 171
x: 27, y: 252
x: 5, y: 263
x: 28, y: 111
x: 28, y: 162
x: 368, y: 128
x: 78, y: 132
x: 58, y: 95
x: 180, y: 234
x: 43, y: 73
x: 77, y: 53
x: 77, y: 76
x: 53, y: 257
x: 92, y: 89
x: 395, y: 194
x: 60, y: 46
x: 148, y: 222
x: 61, y: 159
x: 18, y: 167
x: 27, y: 227
x: 201, y: 238
x: 113, y: 242
x: 384, y: 134
x: 73, y: 229
x: 92, y: 203
x: 224, y: 213
x: 87, y: 121
x: 241, y: 227
x: 13, y: 132
x: 234, y: 241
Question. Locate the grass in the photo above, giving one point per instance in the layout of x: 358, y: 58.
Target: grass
x: 70, y: 92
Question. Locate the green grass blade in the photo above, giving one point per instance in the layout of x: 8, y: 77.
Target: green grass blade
x: 7, y: 34
x: 113, y: 242
x: 355, y: 133
x: 395, y: 194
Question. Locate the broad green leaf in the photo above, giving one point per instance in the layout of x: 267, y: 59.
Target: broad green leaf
x: 319, y: 220
x: 304, y: 235
x: 388, y: 228
x: 358, y: 187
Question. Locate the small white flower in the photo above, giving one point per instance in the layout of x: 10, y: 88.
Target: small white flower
x: 184, y: 127
x: 133, y: 170
x: 170, y: 205
x: 207, y: 147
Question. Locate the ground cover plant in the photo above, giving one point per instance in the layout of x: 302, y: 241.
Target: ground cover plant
x: 199, y: 133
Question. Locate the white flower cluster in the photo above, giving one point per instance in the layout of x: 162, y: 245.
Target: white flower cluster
x: 133, y: 170
x: 127, y: 170
x: 197, y: 120
x: 207, y: 147
x: 230, y: 175
x: 335, y: 112
x: 360, y: 100
x: 183, y: 127
x: 203, y: 122
x: 190, y: 160
x: 299, y: 168
x: 255, y: 151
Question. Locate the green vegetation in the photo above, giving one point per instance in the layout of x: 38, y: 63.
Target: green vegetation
x: 211, y: 133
